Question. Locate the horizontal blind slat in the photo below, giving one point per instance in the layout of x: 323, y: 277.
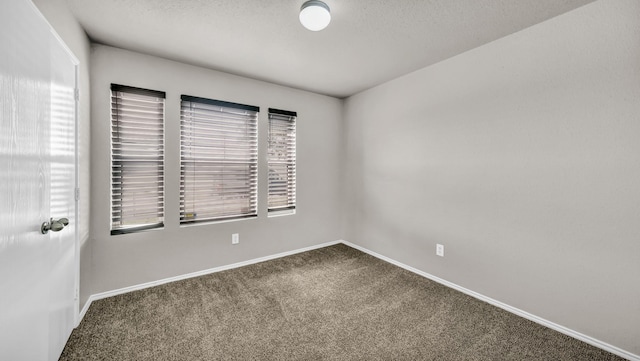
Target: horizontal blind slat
x: 137, y: 168
x: 281, y: 158
x: 218, y: 161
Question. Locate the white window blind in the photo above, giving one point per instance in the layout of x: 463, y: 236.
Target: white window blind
x: 137, y: 159
x: 218, y: 160
x: 282, y: 160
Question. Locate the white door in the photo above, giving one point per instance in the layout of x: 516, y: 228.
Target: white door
x: 38, y: 272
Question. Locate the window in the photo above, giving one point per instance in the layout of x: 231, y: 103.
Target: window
x: 282, y: 160
x: 137, y: 159
x: 218, y: 160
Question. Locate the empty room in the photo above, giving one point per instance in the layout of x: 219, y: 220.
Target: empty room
x: 320, y: 180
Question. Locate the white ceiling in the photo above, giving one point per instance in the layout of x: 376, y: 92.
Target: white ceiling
x: 367, y: 43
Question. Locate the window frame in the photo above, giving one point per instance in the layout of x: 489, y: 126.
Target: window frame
x: 118, y: 144
x: 289, y: 160
x: 209, y: 113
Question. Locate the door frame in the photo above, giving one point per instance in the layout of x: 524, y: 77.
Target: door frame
x: 76, y: 192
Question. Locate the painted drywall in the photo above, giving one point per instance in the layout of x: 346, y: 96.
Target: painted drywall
x: 62, y: 20
x: 131, y: 259
x: 522, y: 158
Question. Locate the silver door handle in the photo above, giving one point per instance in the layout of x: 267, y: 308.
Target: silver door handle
x: 54, y: 225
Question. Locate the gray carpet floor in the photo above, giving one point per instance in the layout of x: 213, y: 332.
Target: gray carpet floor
x: 334, y: 303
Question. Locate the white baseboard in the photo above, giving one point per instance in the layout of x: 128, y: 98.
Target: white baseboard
x: 141, y: 286
x: 569, y: 332
x: 554, y: 326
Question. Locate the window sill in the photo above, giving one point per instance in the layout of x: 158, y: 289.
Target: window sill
x: 202, y: 223
x: 284, y: 212
x: 136, y: 229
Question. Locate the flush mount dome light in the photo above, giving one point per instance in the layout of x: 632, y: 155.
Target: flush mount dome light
x: 315, y: 15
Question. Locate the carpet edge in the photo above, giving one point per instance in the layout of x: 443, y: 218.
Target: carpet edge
x: 531, y: 317
x: 141, y: 286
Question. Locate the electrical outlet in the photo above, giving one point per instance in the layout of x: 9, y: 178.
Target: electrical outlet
x: 235, y: 238
x: 440, y: 250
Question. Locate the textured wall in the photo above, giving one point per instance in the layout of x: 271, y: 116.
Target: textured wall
x: 131, y: 259
x: 522, y: 158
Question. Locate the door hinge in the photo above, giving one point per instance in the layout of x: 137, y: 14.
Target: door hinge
x: 77, y: 193
x: 77, y: 94
x: 77, y: 294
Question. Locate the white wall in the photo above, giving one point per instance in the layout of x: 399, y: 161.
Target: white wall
x: 126, y: 260
x: 58, y: 15
x: 521, y: 157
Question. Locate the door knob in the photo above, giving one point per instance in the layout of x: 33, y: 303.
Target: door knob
x: 54, y: 225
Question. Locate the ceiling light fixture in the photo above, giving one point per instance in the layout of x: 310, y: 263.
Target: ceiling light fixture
x: 315, y: 15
